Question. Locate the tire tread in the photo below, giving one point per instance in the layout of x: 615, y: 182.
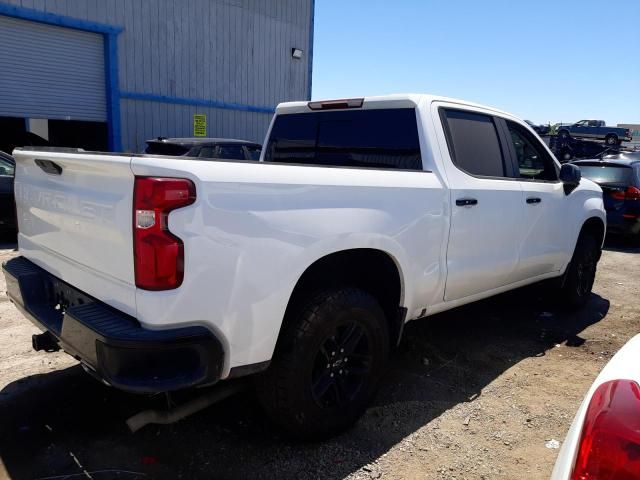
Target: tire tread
x: 276, y: 388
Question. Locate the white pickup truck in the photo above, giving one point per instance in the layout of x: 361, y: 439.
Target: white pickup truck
x: 161, y: 273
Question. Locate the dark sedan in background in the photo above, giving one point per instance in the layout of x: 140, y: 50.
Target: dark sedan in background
x: 7, y: 203
x: 205, y: 148
x: 619, y: 177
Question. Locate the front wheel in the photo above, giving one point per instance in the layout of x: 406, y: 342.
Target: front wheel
x: 581, y: 273
x: 327, y: 364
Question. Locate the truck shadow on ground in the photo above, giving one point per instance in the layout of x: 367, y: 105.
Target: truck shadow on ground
x: 443, y: 361
x: 616, y: 243
x: 8, y: 241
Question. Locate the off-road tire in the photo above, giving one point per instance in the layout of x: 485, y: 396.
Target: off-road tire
x: 305, y: 354
x: 580, y: 275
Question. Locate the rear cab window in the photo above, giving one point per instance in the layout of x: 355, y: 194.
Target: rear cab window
x: 368, y: 138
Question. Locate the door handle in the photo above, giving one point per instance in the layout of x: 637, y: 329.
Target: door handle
x: 466, y: 202
x: 531, y: 200
x: 47, y: 166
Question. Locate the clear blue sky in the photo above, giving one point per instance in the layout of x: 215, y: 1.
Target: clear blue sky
x: 541, y: 60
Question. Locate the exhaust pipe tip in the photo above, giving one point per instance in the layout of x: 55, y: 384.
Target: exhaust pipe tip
x: 44, y: 341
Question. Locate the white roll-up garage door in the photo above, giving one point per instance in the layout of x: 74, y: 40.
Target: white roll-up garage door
x: 51, y: 72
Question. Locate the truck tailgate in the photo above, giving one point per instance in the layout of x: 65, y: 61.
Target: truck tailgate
x: 75, y: 220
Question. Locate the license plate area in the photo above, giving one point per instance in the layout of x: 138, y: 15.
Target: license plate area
x: 62, y: 296
x: 42, y: 296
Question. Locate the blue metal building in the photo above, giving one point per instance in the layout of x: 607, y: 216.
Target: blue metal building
x: 139, y: 69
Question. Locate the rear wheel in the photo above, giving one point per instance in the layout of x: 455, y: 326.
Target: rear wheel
x: 327, y: 365
x: 611, y: 140
x: 581, y: 273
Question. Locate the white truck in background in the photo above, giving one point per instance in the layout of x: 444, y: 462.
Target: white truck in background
x: 162, y: 273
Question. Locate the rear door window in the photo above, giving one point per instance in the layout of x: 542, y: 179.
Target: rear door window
x: 381, y: 138
x: 473, y: 143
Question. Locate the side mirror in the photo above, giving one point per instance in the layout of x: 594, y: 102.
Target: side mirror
x: 570, y: 175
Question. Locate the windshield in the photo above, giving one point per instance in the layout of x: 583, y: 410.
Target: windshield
x: 6, y: 168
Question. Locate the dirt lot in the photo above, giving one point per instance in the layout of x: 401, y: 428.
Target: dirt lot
x: 471, y: 394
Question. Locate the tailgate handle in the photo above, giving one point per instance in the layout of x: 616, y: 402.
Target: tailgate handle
x: 47, y: 166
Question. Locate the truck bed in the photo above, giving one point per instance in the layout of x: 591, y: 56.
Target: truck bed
x: 248, y: 237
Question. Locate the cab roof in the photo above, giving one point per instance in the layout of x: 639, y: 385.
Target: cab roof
x: 399, y: 100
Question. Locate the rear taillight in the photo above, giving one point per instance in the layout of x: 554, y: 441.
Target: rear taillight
x: 609, y: 447
x: 617, y: 194
x: 158, y: 254
x: 631, y: 193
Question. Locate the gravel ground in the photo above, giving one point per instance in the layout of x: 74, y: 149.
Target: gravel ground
x: 474, y: 393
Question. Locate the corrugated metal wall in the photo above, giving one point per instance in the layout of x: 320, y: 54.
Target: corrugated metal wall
x: 232, y: 51
x: 50, y: 71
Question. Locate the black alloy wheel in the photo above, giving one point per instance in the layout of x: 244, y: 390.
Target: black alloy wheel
x: 328, y: 363
x: 341, y: 366
x: 581, y: 273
